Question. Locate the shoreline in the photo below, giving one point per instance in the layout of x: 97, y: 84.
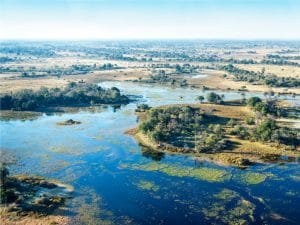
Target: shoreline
x: 31, y: 200
x: 225, y: 157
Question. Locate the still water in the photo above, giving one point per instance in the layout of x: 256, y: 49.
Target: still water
x: 117, y: 181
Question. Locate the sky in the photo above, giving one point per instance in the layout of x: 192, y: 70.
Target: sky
x: 149, y: 19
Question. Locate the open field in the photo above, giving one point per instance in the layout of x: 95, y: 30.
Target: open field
x: 281, y: 71
x: 62, y: 64
x: 215, y: 80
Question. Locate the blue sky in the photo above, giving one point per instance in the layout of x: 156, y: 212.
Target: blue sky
x: 149, y: 19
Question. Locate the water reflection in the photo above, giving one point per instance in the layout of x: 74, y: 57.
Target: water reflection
x: 152, y: 154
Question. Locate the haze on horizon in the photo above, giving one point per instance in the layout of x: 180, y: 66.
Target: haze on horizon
x: 150, y: 19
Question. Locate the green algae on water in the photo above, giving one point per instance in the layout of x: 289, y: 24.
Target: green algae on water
x: 295, y: 177
x: 90, y: 209
x: 225, y: 194
x: 230, y: 208
x: 252, y: 178
x: 147, y: 185
x: 201, y: 173
x: 209, y: 174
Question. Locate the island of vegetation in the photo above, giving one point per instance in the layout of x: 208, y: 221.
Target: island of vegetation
x: 75, y: 94
x: 32, y: 198
x: 238, y: 132
x: 68, y: 122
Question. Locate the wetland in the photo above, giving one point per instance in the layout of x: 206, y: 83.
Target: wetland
x: 101, y: 172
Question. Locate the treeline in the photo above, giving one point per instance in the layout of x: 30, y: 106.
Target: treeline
x: 260, y: 77
x: 185, y: 68
x: 162, y: 78
x: 185, y: 127
x: 76, y: 69
x: 290, y: 57
x: 279, y: 61
x: 73, y: 95
x: 41, y: 51
x: 5, y: 59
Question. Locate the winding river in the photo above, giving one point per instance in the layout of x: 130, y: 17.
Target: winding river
x: 118, y: 181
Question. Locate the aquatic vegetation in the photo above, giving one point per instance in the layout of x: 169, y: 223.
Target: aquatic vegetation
x: 147, y: 185
x: 62, y: 149
x: 89, y: 209
x: 17, y: 115
x: 75, y: 149
x: 295, y: 177
x: 230, y: 208
x: 251, y: 178
x: 291, y: 193
x: 225, y: 194
x: 209, y: 174
x: 201, y: 173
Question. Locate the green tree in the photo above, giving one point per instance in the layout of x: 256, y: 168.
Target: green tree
x: 253, y: 101
x: 265, y: 131
x: 213, y: 97
x: 200, y: 98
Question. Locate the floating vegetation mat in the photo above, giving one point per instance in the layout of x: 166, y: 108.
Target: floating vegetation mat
x: 147, y: 185
x: 251, y: 178
x: 202, y: 173
x: 90, y: 209
x: 295, y: 177
x: 230, y: 208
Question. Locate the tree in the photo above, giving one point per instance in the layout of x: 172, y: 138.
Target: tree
x: 200, y: 98
x: 265, y: 131
x: 253, y: 101
x: 213, y: 97
x: 3, y: 174
x: 178, y: 68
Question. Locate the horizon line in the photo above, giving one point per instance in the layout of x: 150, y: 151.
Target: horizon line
x: 149, y: 39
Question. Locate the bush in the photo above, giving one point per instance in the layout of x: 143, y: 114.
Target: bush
x: 265, y: 131
x: 253, y: 101
x: 250, y: 121
x: 212, y: 97
x: 142, y: 108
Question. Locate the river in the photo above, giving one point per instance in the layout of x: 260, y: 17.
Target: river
x: 117, y: 181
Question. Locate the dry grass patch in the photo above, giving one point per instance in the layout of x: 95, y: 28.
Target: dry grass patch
x: 278, y: 70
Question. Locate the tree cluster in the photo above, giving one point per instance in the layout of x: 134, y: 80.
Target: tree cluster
x: 72, y: 95
x: 185, y: 127
x: 260, y: 77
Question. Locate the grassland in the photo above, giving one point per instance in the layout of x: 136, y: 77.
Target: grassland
x: 139, y: 64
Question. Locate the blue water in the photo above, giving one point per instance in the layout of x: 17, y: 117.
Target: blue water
x: 90, y: 156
